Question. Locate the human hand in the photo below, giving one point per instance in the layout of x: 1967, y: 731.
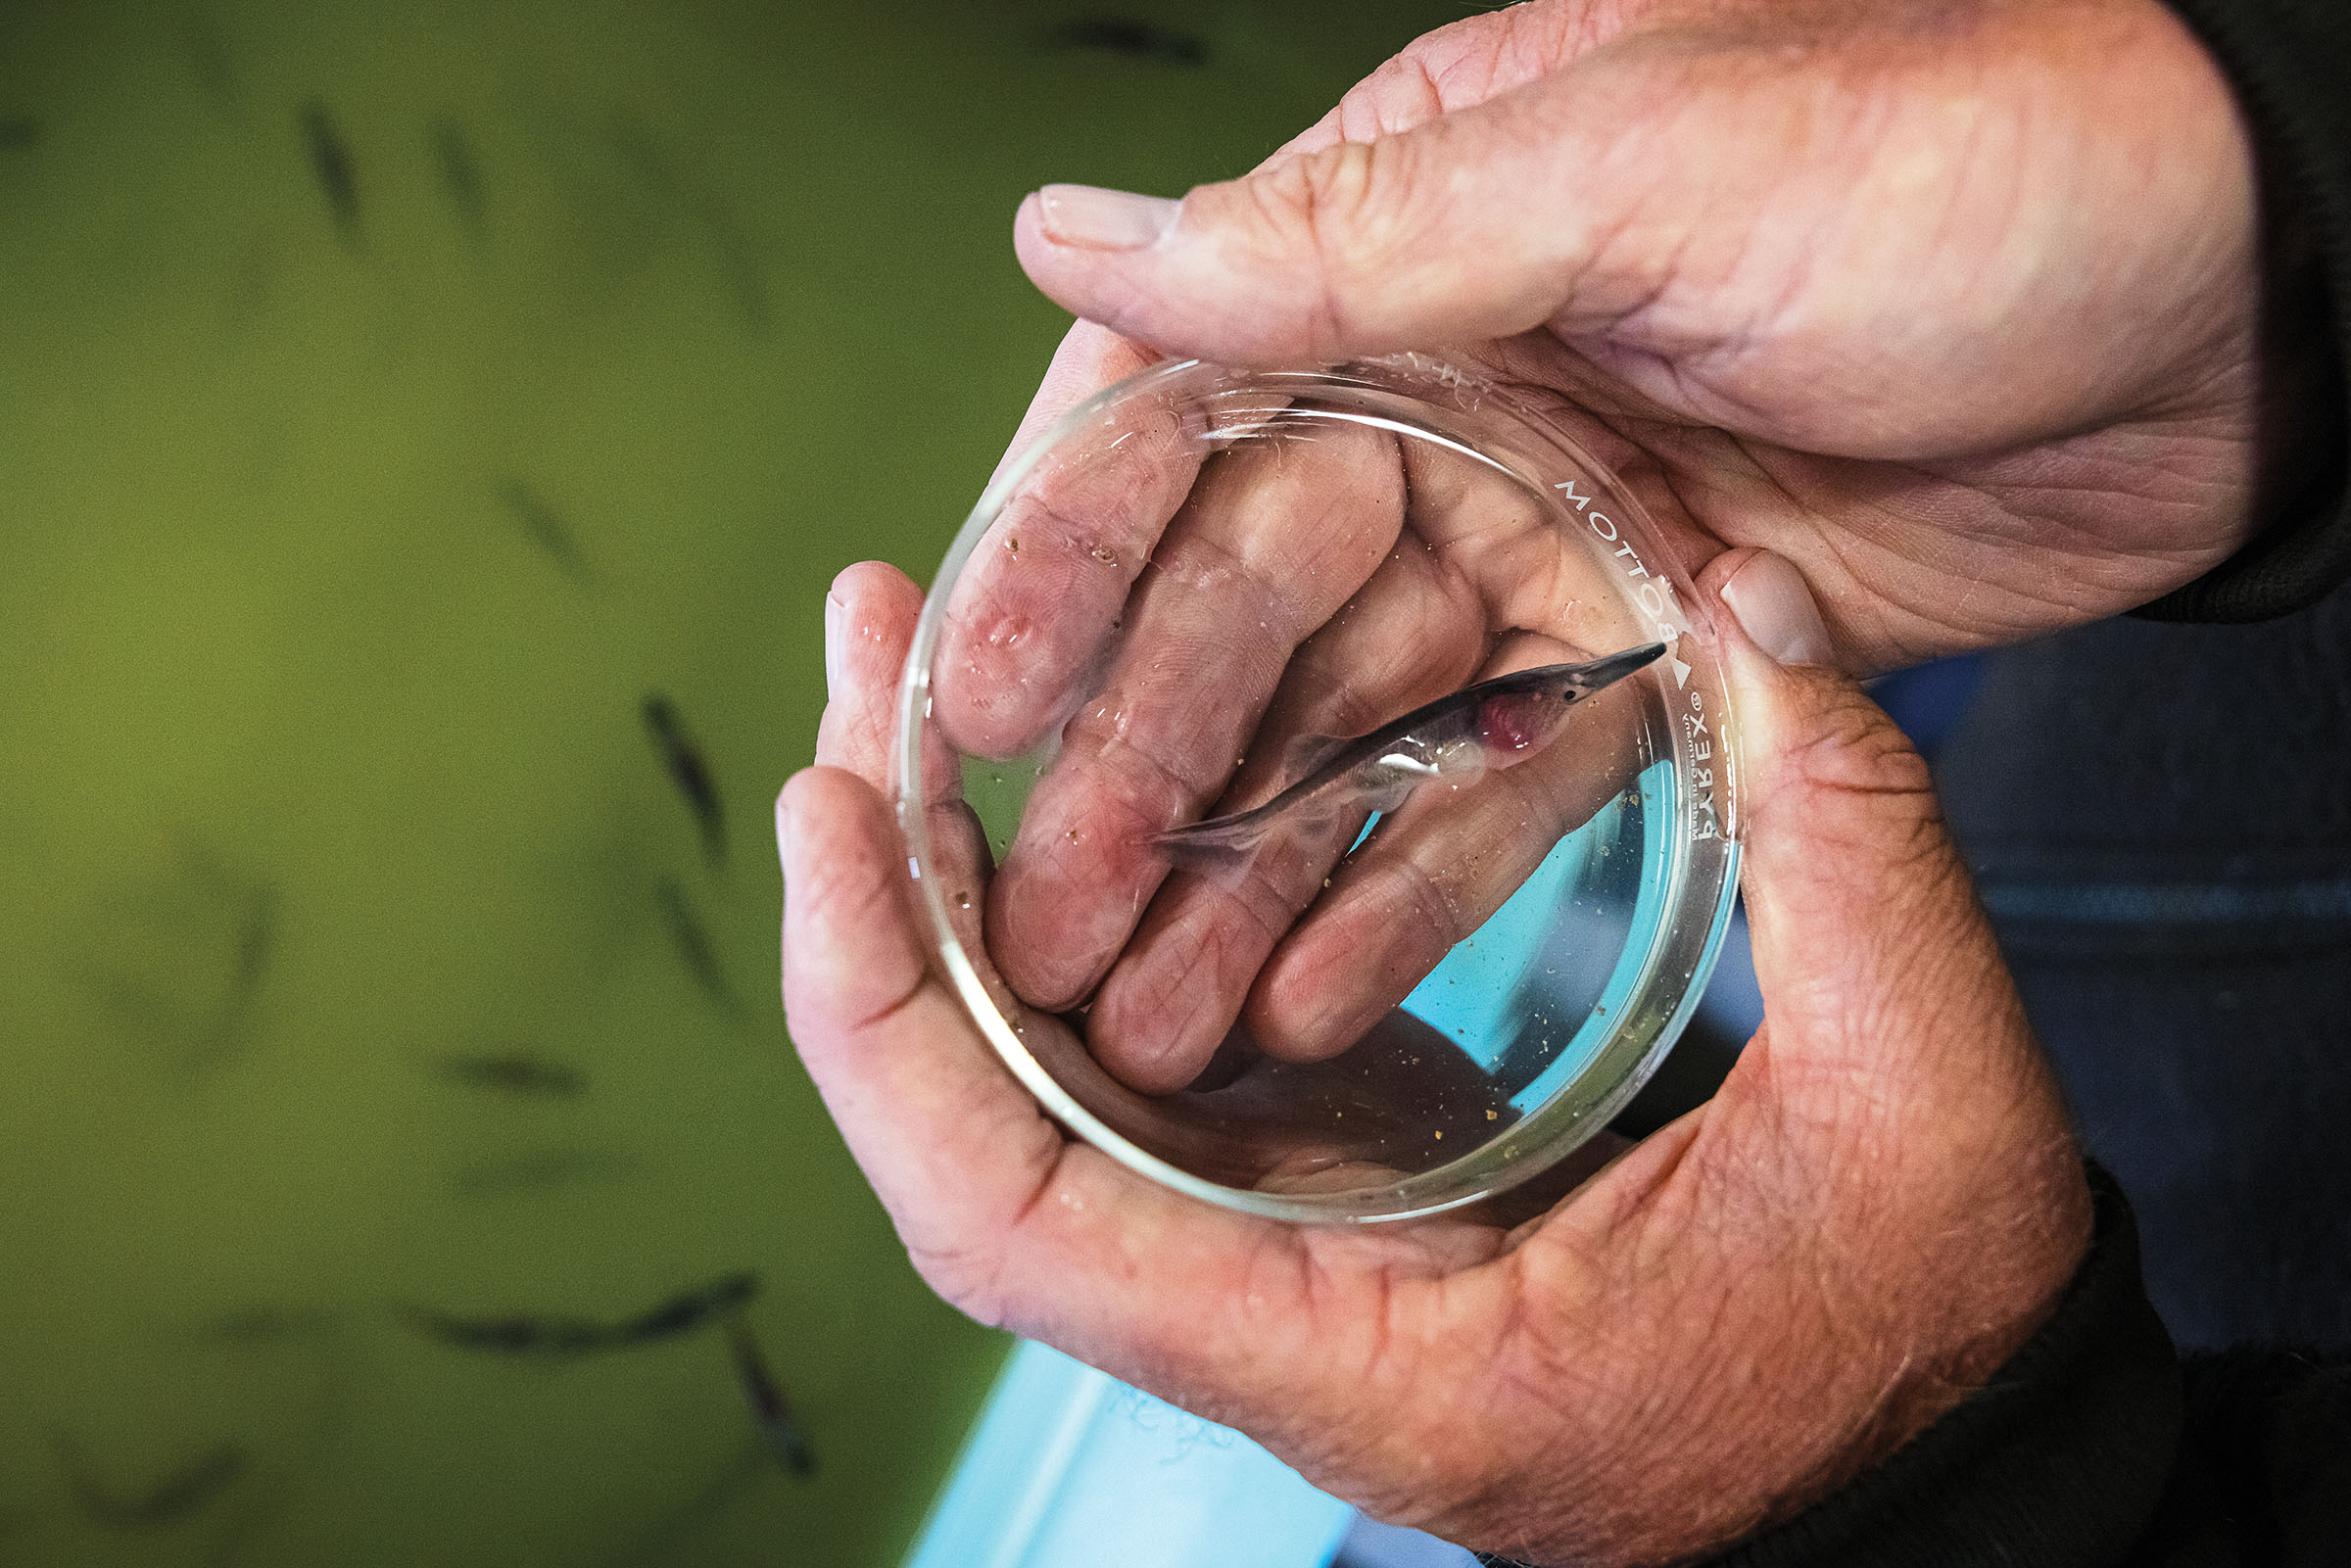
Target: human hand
x: 1318, y: 578
x: 1751, y: 1305
x: 1953, y: 306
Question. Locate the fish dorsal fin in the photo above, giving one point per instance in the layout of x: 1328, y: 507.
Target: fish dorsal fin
x: 1303, y: 755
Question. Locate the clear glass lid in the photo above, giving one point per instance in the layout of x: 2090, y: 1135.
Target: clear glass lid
x: 1318, y: 784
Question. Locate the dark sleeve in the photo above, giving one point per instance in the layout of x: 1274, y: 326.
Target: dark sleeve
x: 2289, y: 61
x: 2096, y: 1447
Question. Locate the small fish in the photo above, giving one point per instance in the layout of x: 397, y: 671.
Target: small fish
x: 1458, y: 739
x: 460, y: 175
x: 330, y: 161
x: 553, y: 1337
x: 690, y: 1311
x: 691, y: 941
x: 537, y: 1171
x: 547, y: 529
x: 516, y: 1073
x: 1128, y: 36
x: 689, y: 771
x: 557, y: 1338
x: 769, y: 1409
x: 169, y: 1501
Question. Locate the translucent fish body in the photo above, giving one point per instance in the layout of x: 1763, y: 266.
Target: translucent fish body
x: 1458, y: 738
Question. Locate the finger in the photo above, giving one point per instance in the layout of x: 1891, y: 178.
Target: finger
x: 1511, y: 551
x: 887, y: 1045
x: 1094, y: 256
x: 1036, y: 603
x: 1893, y: 1034
x: 1359, y: 247
x: 1409, y: 635
x: 1088, y: 358
x: 870, y: 611
x: 1275, y: 537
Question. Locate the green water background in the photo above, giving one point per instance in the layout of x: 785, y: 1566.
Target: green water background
x: 392, y: 399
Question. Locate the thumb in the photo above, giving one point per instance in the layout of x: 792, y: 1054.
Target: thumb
x: 1450, y: 231
x: 1888, y: 1011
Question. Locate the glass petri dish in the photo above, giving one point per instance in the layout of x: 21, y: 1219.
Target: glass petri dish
x: 1317, y: 784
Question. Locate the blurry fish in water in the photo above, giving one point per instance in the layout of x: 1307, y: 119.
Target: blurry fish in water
x: 691, y: 1309
x: 689, y: 771
x: 1136, y: 40
x: 516, y: 1073
x: 1458, y: 739
x: 560, y: 1337
x: 330, y: 160
x: 777, y: 1424
x: 169, y: 1501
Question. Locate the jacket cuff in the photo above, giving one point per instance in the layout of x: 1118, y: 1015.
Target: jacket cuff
x: 2058, y: 1460
x: 2285, y: 61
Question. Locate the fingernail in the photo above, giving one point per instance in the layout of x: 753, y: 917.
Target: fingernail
x: 1093, y: 218
x: 784, y: 832
x: 834, y: 652
x: 1776, y: 610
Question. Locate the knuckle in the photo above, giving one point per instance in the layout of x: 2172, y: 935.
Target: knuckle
x: 1340, y: 210
x: 1401, y: 93
x: 1848, y: 747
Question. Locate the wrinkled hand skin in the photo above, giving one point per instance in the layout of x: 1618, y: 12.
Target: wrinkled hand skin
x: 1754, y: 1303
x: 1953, y: 305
